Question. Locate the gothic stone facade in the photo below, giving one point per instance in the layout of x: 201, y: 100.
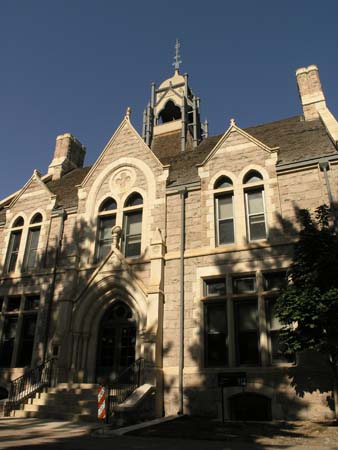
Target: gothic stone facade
x: 102, y: 265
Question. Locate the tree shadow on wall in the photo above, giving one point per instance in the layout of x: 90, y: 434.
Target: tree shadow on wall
x: 62, y: 272
x: 287, y: 385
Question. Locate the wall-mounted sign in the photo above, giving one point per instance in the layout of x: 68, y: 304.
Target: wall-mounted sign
x: 231, y: 379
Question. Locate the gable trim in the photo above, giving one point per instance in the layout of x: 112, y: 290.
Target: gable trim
x: 125, y: 123
x: 123, y: 266
x: 234, y: 128
x: 36, y: 176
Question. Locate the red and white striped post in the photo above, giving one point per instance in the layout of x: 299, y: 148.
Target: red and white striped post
x: 101, y: 403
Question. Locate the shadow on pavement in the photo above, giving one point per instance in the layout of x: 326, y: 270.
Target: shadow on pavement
x: 187, y: 433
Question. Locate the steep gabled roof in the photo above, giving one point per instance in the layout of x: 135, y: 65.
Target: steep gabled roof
x: 298, y: 140
x: 65, y: 188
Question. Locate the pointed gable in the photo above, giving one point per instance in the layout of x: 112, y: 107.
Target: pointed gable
x: 235, y: 152
x: 236, y: 139
x: 125, y: 143
x: 114, y: 262
x: 32, y: 192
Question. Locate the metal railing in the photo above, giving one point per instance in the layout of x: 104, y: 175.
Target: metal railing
x: 29, y: 384
x: 124, y: 384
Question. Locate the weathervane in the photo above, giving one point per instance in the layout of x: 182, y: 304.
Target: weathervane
x: 177, y: 60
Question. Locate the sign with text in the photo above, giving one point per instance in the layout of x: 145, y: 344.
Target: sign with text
x: 231, y: 379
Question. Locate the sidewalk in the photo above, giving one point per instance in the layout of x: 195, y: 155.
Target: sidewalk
x: 182, y: 434
x: 260, y: 434
x: 16, y: 433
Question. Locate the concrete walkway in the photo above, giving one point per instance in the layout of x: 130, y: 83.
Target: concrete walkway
x: 24, y: 434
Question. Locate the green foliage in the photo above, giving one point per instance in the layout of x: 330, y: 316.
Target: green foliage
x: 308, y: 308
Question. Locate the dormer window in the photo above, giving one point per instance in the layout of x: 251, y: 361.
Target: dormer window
x: 106, y: 221
x: 30, y: 260
x: 132, y: 225
x: 14, y: 245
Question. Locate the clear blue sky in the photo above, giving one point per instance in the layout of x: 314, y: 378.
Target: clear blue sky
x: 75, y: 65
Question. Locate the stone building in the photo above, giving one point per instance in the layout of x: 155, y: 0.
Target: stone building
x: 172, y: 247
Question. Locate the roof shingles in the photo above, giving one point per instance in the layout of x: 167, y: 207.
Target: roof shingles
x: 298, y: 140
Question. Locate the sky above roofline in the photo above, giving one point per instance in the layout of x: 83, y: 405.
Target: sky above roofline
x: 76, y: 66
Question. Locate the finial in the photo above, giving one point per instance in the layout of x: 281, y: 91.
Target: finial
x: 128, y: 112
x: 177, y: 60
x: 232, y: 122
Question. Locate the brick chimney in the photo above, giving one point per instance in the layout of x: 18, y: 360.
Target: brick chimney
x: 310, y: 92
x: 68, y: 155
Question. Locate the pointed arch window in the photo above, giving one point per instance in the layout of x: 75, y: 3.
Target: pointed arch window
x: 31, y: 252
x: 252, y: 177
x: 224, y: 213
x: 14, y: 245
x: 132, y: 225
x: 106, y: 221
x: 255, y: 206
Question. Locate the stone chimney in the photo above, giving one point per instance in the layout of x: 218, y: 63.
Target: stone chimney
x: 68, y: 155
x: 310, y: 92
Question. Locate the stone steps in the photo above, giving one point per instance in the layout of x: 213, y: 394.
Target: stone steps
x: 54, y: 415
x: 66, y: 401
x: 74, y: 402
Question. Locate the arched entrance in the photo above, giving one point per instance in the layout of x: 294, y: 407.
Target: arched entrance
x: 116, y: 342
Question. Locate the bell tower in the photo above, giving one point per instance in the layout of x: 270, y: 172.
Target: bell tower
x: 174, y: 107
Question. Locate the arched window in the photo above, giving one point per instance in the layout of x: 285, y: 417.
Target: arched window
x: 222, y: 183
x: 224, y: 215
x: 31, y: 252
x: 252, y: 177
x: 132, y: 225
x: 255, y: 206
x: 109, y: 204
x: 134, y: 200
x: 170, y: 112
x: 14, y: 245
x: 106, y: 221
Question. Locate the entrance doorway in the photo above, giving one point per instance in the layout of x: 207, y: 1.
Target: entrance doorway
x: 116, y: 342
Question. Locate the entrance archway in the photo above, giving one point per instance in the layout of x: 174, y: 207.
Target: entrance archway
x: 116, y: 342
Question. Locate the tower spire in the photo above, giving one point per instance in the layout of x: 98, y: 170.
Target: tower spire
x: 177, y: 57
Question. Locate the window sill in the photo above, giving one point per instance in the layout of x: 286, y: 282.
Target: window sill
x: 269, y: 368
x: 254, y: 241
x: 25, y: 274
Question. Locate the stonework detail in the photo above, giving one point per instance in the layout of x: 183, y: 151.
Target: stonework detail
x: 123, y: 180
x: 99, y: 259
